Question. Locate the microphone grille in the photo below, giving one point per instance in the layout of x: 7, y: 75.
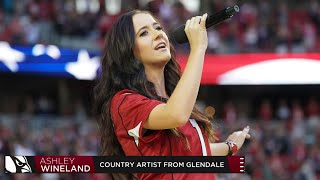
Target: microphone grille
x: 236, y: 8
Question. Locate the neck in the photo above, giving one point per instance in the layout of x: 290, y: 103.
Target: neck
x: 156, y: 76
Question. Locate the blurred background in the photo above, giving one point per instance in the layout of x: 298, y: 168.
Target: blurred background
x: 49, y: 56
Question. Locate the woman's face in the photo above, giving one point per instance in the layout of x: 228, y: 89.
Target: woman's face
x: 151, y: 43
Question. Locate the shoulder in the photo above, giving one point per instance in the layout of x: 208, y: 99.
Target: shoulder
x: 131, y: 108
x: 128, y: 100
x: 122, y: 95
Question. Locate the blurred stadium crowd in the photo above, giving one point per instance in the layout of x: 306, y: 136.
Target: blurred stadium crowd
x: 285, y: 136
x: 260, y: 26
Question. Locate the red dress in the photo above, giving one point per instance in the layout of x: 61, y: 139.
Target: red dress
x: 129, y: 111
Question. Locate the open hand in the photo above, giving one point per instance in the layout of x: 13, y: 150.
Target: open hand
x: 239, y: 136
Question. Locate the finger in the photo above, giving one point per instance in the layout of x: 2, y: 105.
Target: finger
x: 248, y: 136
x: 192, y: 21
x: 203, y: 21
x: 187, y: 24
x: 198, y: 19
x: 186, y: 28
x: 245, y: 131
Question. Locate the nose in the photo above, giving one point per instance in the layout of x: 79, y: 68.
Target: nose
x: 157, y: 34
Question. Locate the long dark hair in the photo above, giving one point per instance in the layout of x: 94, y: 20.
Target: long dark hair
x: 121, y: 70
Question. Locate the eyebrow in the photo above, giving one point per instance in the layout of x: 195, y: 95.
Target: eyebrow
x: 144, y: 27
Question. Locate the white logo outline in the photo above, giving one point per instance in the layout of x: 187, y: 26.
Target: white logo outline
x: 17, y: 164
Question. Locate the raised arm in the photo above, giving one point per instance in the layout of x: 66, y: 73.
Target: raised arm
x: 178, y: 108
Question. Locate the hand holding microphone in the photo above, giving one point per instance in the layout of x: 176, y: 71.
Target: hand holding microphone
x: 196, y: 32
x: 180, y: 36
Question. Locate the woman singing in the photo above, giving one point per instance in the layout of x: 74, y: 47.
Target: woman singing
x: 145, y: 105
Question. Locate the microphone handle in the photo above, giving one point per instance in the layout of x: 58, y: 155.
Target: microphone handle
x: 212, y: 20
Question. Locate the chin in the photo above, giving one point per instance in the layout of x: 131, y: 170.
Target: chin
x: 160, y: 62
x: 166, y: 58
x: 159, y: 59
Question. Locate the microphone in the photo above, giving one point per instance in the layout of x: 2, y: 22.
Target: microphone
x: 180, y: 36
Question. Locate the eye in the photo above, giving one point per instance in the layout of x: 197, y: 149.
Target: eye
x: 144, y: 33
x: 19, y: 163
x: 159, y: 28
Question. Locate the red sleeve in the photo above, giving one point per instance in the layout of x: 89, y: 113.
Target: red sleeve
x: 129, y: 112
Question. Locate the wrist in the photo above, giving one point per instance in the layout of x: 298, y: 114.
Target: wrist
x: 232, y: 147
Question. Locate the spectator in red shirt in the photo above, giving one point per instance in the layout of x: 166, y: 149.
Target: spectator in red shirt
x: 145, y: 107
